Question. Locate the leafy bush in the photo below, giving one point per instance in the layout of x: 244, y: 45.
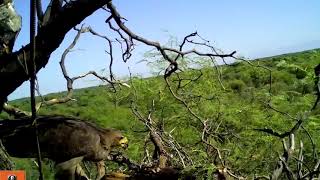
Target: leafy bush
x: 237, y: 85
x: 233, y: 114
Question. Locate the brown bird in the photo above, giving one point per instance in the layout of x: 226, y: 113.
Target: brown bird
x: 65, y: 140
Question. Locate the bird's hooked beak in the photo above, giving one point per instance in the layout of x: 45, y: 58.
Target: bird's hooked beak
x: 124, y: 142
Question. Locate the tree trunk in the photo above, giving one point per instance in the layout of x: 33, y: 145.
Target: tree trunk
x: 13, y: 66
x: 13, y: 70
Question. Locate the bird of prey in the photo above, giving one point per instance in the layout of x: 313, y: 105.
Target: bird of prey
x: 65, y: 140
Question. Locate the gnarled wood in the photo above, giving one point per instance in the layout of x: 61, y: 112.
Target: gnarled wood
x: 13, y: 69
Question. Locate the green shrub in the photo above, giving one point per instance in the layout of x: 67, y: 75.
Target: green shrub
x: 237, y: 85
x: 282, y: 76
x: 300, y: 73
x: 303, y: 87
x: 278, y: 87
x: 259, y: 77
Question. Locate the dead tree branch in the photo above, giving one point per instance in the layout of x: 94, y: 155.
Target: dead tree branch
x: 49, y: 37
x: 285, y: 134
x: 70, y: 80
x: 173, y: 64
x: 317, y: 84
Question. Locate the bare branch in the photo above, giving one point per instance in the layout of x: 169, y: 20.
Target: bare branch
x: 173, y: 66
x: 317, y: 84
x: 16, y: 112
x: 70, y: 80
x: 12, y: 74
x: 285, y: 134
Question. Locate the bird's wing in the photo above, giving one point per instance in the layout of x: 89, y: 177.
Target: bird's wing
x: 61, y: 138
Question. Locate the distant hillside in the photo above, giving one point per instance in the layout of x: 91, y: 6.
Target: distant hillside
x: 294, y: 48
x: 293, y: 53
x: 234, y: 105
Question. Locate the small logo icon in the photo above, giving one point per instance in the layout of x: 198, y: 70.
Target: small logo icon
x: 12, y: 177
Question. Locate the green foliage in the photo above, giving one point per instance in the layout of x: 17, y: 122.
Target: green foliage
x: 233, y: 112
x: 237, y: 85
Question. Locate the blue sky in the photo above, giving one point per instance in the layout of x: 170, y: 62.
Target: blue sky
x: 253, y: 28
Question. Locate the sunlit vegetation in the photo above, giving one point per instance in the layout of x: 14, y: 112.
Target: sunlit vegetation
x: 235, y: 108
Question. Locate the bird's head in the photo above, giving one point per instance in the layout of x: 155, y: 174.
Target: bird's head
x: 119, y: 140
x: 123, y: 142
x: 113, y: 139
